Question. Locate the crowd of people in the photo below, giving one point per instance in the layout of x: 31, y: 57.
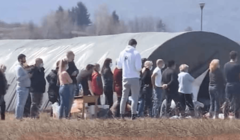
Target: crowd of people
x: 134, y: 81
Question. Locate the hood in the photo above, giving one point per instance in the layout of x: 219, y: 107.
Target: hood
x: 129, y: 49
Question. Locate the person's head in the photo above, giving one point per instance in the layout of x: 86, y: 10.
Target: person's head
x: 107, y: 64
x: 148, y: 64
x: 183, y: 68
x: 97, y: 67
x: 160, y: 63
x: 57, y: 65
x: 63, y: 65
x: 143, y: 61
x: 233, y: 56
x: 22, y: 58
x: 3, y: 68
x: 70, y: 56
x: 171, y: 64
x: 214, y: 65
x: 39, y: 63
x: 132, y: 43
x: 90, y: 68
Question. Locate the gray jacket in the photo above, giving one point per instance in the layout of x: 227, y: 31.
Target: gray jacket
x: 23, y: 79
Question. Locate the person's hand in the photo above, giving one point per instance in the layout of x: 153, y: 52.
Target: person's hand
x: 164, y: 86
x: 74, y: 73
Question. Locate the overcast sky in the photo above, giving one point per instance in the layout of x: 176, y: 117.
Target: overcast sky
x: 220, y: 16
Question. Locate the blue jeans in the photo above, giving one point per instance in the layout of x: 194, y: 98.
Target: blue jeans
x: 232, y: 94
x: 157, y: 101
x: 72, y: 95
x: 22, y: 95
x: 145, y: 102
x: 214, y: 93
x: 65, y: 95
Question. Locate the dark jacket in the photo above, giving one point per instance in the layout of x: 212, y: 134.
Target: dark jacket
x: 170, y: 78
x: 108, y: 78
x: 3, y: 84
x: 38, y: 82
x: 53, y: 89
x: 216, y: 78
x: 146, y: 78
x: 71, y: 68
x: 117, y: 76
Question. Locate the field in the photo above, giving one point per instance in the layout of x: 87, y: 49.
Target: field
x: 142, y: 129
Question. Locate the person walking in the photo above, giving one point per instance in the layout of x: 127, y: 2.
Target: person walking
x: 157, y: 87
x: 73, y: 72
x: 146, y: 93
x: 97, y: 84
x: 231, y: 73
x: 108, y: 81
x: 131, y: 65
x: 216, y: 82
x: 3, y: 90
x: 38, y: 84
x: 170, y: 86
x: 65, y: 89
x: 53, y: 88
x: 117, y: 84
x: 23, y: 85
x: 185, y: 89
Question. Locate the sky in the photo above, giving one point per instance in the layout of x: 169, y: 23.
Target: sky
x: 220, y: 16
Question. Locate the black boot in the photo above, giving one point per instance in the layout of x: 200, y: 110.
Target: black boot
x: 2, y: 116
x: 134, y: 116
x: 122, y: 116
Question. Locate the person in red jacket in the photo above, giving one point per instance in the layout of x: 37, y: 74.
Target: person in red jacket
x: 117, y: 85
x: 97, y: 85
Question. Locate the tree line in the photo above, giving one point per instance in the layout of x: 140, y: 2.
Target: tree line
x: 73, y: 22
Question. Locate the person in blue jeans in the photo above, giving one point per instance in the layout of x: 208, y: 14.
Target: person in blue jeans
x: 65, y: 91
x: 146, y: 92
x: 157, y: 88
x: 23, y: 85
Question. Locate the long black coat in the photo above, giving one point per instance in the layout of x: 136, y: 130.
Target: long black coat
x: 38, y: 82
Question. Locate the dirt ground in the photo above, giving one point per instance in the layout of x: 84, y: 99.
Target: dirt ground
x: 142, y: 129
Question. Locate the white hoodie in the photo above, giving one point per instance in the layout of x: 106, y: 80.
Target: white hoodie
x: 130, y: 62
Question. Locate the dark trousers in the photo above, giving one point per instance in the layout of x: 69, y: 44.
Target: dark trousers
x: 214, y: 93
x: 145, y: 102
x: 171, y: 95
x: 3, y: 108
x: 233, y: 98
x: 27, y: 106
x: 186, y: 100
x: 108, y: 91
x: 36, y: 104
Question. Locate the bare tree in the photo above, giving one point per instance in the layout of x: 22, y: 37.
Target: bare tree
x: 189, y: 29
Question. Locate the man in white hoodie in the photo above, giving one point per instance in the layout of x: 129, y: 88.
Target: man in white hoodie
x: 131, y: 65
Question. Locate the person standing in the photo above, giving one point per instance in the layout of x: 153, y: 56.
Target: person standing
x: 97, y: 84
x: 65, y: 91
x: 108, y: 81
x: 131, y: 65
x: 53, y: 89
x: 232, y: 75
x: 216, y: 82
x: 23, y: 85
x: 38, y: 84
x: 157, y: 87
x: 3, y: 90
x: 117, y: 84
x: 146, y: 93
x: 170, y: 86
x: 73, y: 72
x: 185, y: 89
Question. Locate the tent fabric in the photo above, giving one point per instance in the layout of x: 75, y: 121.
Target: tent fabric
x: 193, y: 48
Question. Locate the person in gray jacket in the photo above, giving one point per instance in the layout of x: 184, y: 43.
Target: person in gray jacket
x: 23, y: 85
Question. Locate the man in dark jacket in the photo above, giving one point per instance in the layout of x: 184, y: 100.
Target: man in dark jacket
x: 3, y: 89
x: 170, y: 86
x: 37, y: 89
x: 73, y: 72
x: 53, y: 89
